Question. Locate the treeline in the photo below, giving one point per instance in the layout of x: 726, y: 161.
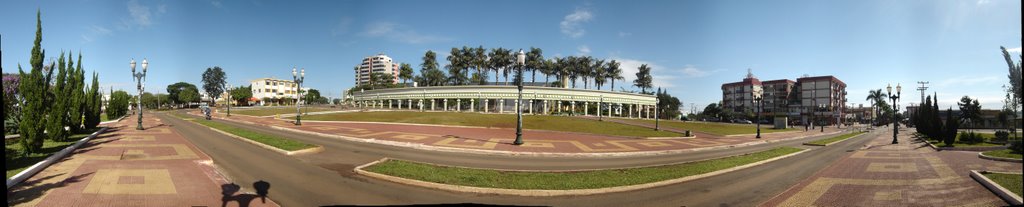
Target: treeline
x: 53, y: 105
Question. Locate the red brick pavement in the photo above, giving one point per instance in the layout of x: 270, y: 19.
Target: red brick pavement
x: 906, y: 174
x: 126, y: 167
x: 500, y: 139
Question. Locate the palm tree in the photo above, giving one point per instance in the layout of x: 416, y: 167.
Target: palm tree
x: 643, y: 78
x: 875, y: 96
x: 454, y: 65
x: 480, y: 62
x: 614, y: 72
x: 499, y: 61
x: 405, y: 72
x: 600, y: 74
x: 571, y: 64
x: 534, y: 61
x: 586, y: 69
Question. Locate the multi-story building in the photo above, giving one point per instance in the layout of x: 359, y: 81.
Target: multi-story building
x: 379, y: 63
x: 271, y: 88
x: 807, y: 99
x: 739, y: 96
x: 822, y: 99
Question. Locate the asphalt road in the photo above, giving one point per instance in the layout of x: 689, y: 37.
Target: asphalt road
x: 326, y: 178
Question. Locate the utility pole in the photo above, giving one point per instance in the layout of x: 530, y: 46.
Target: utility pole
x: 922, y: 88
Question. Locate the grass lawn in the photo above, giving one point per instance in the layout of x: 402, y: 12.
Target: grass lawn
x: 103, y: 117
x: 553, y: 123
x: 16, y: 162
x: 1007, y: 153
x: 275, y: 141
x: 1011, y: 182
x: 717, y: 128
x: 270, y: 111
x: 566, y: 180
x: 835, y: 139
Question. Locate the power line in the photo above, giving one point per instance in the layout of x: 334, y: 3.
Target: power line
x: 922, y: 88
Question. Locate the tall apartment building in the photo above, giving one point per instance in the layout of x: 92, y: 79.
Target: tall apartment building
x: 822, y: 98
x: 807, y: 98
x: 273, y: 88
x: 379, y: 63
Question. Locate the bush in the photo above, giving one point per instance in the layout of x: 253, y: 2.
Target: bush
x: 971, y: 138
x: 1002, y: 136
x: 1015, y: 145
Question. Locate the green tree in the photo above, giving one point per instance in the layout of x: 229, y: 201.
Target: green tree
x: 213, y: 82
x: 32, y: 87
x: 614, y: 73
x: 149, y: 100
x: 500, y: 60
x: 668, y: 105
x: 1015, y: 74
x: 970, y: 110
x: 876, y: 97
x: 949, y: 130
x: 313, y: 96
x: 405, y: 72
x: 600, y: 74
x: 456, y: 66
x: 381, y: 80
x: 643, y: 80
x: 118, y: 104
x: 57, y: 118
x: 430, y: 75
x: 93, y: 103
x: 241, y: 94
x: 188, y: 96
x: 479, y: 59
x: 174, y: 89
x: 78, y: 97
x: 712, y: 110
x: 534, y: 62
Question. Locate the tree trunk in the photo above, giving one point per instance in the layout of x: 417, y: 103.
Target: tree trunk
x: 613, y: 85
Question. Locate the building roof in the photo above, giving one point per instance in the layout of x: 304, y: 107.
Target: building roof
x: 778, y: 81
x: 746, y: 81
x: 827, y: 77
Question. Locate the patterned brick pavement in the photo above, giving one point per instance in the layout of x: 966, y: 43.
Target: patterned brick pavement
x: 905, y: 174
x: 126, y: 167
x: 500, y: 139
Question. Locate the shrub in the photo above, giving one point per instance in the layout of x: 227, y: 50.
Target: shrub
x: 1015, y: 146
x: 971, y: 138
x: 1002, y: 136
x: 952, y: 125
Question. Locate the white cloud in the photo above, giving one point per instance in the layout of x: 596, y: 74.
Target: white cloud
x: 140, y: 14
x: 216, y: 3
x: 694, y: 72
x: 662, y: 75
x: 982, y: 2
x: 95, y: 32
x: 583, y: 49
x: 342, y: 27
x: 624, y: 34
x: 400, y: 33
x: 1013, y: 50
x: 570, y: 25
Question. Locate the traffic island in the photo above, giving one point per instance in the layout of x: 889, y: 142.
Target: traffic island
x: 1006, y: 185
x: 561, y: 183
x: 833, y: 140
x: 1005, y: 155
x: 270, y: 142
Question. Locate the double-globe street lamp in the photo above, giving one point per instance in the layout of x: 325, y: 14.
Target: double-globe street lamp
x: 759, y: 102
x: 227, y: 87
x: 140, y: 80
x: 894, y: 98
x: 298, y: 77
x: 521, y: 62
x: 822, y: 107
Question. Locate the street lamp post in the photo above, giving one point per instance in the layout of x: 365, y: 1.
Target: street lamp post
x: 894, y: 98
x: 759, y: 102
x: 521, y: 62
x: 822, y: 122
x: 227, y: 88
x: 140, y: 80
x: 298, y: 77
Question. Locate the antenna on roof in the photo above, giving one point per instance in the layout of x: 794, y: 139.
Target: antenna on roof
x: 750, y: 74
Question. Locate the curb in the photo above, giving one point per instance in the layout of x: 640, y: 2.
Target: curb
x: 532, y: 154
x: 541, y: 193
x: 983, y: 156
x: 467, y: 127
x: 835, y: 142
x: 1006, y: 195
x: 115, y: 121
x: 39, y: 166
x: 972, y: 149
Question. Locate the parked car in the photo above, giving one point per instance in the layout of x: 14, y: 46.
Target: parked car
x: 742, y: 121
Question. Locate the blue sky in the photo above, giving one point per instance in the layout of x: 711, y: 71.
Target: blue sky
x: 693, y: 46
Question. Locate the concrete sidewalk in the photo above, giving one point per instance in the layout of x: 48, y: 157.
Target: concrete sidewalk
x: 904, y: 174
x: 127, y: 167
x: 500, y: 139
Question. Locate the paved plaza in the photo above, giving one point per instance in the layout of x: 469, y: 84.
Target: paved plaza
x: 126, y: 167
x: 500, y: 139
x: 905, y: 174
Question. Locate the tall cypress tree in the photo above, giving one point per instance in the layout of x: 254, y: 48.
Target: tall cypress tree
x: 92, y: 103
x: 33, y: 91
x: 56, y: 120
x: 77, y: 108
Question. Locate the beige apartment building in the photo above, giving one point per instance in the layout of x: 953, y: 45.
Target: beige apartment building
x: 274, y: 89
x: 819, y: 99
x: 379, y: 63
